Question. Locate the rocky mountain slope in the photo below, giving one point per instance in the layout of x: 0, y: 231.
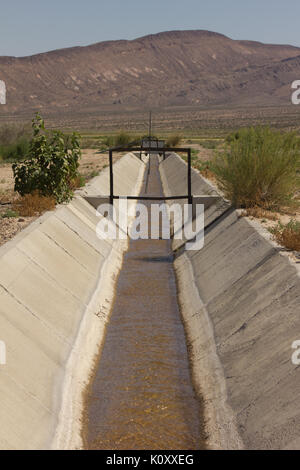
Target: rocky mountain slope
x: 189, y: 68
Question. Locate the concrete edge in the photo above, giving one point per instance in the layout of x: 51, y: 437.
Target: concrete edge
x: 207, y: 371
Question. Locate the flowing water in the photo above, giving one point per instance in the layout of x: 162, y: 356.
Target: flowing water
x: 142, y: 395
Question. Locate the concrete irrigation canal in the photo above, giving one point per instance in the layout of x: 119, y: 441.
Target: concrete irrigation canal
x: 142, y: 395
x: 112, y: 344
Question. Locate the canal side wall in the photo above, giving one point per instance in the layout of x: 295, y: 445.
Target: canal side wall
x: 240, y: 301
x: 57, y: 283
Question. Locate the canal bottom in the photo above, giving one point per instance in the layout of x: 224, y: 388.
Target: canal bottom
x: 141, y: 395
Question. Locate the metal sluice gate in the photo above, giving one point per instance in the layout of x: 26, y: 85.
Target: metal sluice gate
x: 152, y: 146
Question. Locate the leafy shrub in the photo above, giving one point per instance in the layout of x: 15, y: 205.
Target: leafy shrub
x: 51, y: 166
x: 33, y: 204
x: 288, y: 235
x: 259, y: 168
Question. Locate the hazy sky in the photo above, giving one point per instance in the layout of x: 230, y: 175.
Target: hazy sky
x: 31, y: 26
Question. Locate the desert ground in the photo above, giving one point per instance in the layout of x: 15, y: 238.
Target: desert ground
x: 92, y: 162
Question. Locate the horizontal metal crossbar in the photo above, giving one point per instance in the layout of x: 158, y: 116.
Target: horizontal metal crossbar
x: 159, y: 150
x: 151, y: 198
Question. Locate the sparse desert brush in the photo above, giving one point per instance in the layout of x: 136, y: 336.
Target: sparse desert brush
x: 78, y: 182
x: 260, y: 168
x: 108, y: 141
x: 33, y: 204
x: 173, y: 140
x: 288, y: 235
x: 210, y: 144
x: 259, y: 213
x: 122, y: 139
x: 205, y: 168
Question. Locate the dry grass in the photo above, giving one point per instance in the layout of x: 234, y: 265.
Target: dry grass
x: 288, y: 235
x: 259, y: 213
x: 33, y: 204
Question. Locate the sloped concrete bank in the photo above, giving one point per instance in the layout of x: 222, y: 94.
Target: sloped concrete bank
x: 56, y: 285
x: 240, y: 300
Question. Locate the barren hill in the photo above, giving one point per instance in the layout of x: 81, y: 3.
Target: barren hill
x: 190, y: 68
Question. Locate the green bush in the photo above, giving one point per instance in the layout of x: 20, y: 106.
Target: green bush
x: 52, y: 164
x: 259, y: 168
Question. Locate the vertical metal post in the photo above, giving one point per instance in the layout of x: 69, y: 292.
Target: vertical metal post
x: 190, y: 197
x: 111, y: 177
x: 150, y: 125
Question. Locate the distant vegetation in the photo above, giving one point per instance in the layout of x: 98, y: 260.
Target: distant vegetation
x: 210, y: 144
x: 173, y: 140
x: 14, y: 142
x: 122, y: 139
x: 259, y: 167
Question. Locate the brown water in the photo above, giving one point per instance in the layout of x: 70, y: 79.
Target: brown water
x: 142, y: 395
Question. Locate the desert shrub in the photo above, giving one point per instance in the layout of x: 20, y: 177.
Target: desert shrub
x: 288, y: 235
x: 33, y: 204
x: 260, y: 168
x: 123, y: 139
x: 51, y: 165
x: 173, y: 140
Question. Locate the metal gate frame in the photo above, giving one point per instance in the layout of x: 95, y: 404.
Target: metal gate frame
x: 163, y: 150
